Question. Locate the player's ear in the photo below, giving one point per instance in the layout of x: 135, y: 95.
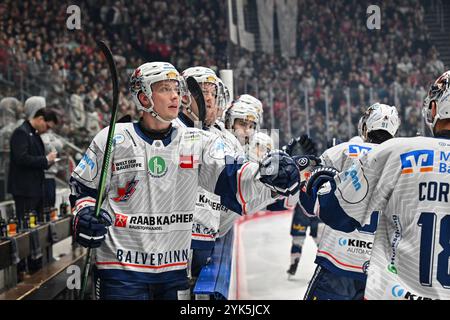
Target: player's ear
x: 143, y: 99
x: 433, y: 109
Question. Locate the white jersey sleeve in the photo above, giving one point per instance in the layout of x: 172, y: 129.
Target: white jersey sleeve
x: 86, y: 176
x: 232, y: 178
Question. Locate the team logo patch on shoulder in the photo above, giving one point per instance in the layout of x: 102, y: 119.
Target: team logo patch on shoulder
x: 157, y: 167
x: 217, y: 150
x: 125, y: 193
x: 118, y: 139
x: 417, y: 161
x: 128, y: 165
x: 355, y: 150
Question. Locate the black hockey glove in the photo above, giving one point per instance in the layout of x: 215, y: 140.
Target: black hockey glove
x: 280, y: 173
x: 88, y: 230
x: 300, y: 146
x: 307, y: 161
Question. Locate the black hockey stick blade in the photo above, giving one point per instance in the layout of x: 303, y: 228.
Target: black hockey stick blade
x: 197, y: 94
x: 107, y: 154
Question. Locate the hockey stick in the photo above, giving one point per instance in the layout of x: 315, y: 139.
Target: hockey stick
x: 197, y: 93
x: 105, y: 165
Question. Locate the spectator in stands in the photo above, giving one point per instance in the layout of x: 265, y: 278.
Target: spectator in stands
x: 28, y: 162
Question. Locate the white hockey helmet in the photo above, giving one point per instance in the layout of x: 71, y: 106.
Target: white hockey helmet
x: 202, y: 75
x: 149, y: 73
x: 260, y: 145
x: 240, y: 110
x: 256, y: 103
x: 439, y: 93
x: 361, y: 125
x: 380, y: 117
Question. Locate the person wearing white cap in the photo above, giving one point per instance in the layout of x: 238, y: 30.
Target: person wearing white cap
x: 32, y: 105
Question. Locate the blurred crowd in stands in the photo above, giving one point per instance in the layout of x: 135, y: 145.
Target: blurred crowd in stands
x: 394, y: 65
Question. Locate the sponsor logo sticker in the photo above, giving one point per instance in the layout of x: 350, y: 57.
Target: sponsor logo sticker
x: 157, y: 167
x: 417, y: 161
x: 128, y: 165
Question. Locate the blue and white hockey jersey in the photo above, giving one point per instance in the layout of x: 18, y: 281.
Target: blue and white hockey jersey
x: 151, y: 195
x: 407, y: 181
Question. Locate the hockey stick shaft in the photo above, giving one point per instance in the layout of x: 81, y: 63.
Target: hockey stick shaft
x: 106, y: 159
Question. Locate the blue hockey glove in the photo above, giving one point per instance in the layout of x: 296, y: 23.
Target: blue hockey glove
x: 90, y: 231
x: 300, y: 146
x: 319, y: 176
x: 280, y: 173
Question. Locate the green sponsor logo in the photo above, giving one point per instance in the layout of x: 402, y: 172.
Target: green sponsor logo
x: 391, y: 268
x: 157, y: 167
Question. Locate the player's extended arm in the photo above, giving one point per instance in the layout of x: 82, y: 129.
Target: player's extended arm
x: 321, y: 189
x: 246, y: 187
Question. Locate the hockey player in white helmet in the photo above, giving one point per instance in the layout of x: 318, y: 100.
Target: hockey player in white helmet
x: 152, y: 188
x: 341, y: 271
x: 406, y: 181
x: 256, y: 103
x: 379, y: 123
x: 242, y: 119
x: 208, y: 208
x: 225, y: 103
x: 260, y: 145
x: 211, y: 87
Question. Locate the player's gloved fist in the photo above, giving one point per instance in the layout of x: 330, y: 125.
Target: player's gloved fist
x: 89, y: 231
x: 306, y: 161
x: 319, y: 176
x: 280, y: 173
x: 300, y: 145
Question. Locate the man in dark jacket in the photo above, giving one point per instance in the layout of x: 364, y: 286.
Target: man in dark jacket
x: 28, y: 162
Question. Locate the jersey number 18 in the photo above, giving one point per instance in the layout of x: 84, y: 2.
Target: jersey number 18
x: 427, y: 222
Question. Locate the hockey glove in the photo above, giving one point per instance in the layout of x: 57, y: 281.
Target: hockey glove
x: 88, y: 230
x: 304, y: 162
x: 300, y: 146
x: 319, y: 176
x: 280, y: 173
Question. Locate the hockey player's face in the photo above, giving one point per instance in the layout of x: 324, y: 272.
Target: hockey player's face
x: 243, y: 130
x: 209, y: 93
x: 166, y: 98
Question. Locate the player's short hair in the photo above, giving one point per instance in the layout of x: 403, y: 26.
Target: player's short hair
x: 378, y: 136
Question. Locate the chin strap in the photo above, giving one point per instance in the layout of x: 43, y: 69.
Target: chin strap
x: 155, y: 114
x: 189, y: 110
